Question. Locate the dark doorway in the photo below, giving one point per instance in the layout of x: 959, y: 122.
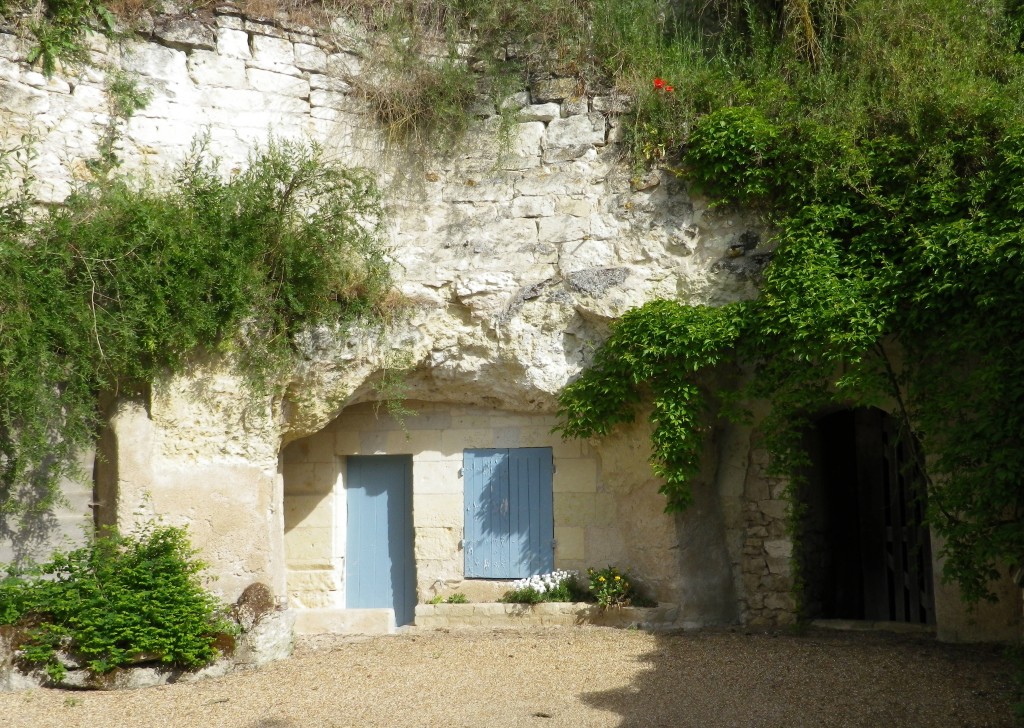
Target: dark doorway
x: 866, y: 551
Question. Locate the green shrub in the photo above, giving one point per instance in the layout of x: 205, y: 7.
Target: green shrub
x: 117, y: 600
x: 731, y: 154
x: 420, y: 102
x: 457, y: 598
x: 59, y: 34
x: 129, y: 280
x: 523, y: 595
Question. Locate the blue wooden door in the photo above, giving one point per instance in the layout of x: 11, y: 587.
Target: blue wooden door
x: 381, y: 570
x: 509, y: 526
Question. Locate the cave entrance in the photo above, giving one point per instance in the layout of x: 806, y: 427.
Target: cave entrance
x: 866, y: 549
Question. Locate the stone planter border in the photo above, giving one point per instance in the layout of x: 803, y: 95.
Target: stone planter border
x: 493, y: 614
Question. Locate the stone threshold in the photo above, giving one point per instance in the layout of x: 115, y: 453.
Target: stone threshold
x: 860, y: 625
x: 490, y: 614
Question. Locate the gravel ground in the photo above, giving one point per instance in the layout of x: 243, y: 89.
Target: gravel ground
x: 583, y: 676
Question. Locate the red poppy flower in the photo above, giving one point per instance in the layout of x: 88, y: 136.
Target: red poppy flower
x: 669, y: 89
x: 659, y: 84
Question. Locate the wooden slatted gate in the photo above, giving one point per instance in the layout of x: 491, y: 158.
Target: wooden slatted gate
x: 509, y: 524
x: 876, y: 564
x: 895, y: 543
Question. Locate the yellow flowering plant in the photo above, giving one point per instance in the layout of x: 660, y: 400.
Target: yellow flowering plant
x: 611, y: 587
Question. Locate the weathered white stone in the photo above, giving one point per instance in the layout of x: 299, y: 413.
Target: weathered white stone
x: 90, y: 98
x: 515, y: 102
x: 155, y: 61
x: 556, y: 155
x: 12, y: 680
x: 574, y: 105
x: 473, y: 190
x: 310, y: 58
x: 348, y: 34
x: 616, y: 131
x: 213, y: 69
x: 270, y: 82
x: 265, y: 30
x: 324, y: 113
x: 300, y: 34
x: 781, y: 549
x: 11, y: 71
x: 553, y: 184
x: 585, y: 254
x: 540, y: 112
x: 269, y: 640
x: 185, y: 33
x: 233, y: 43
x: 99, y: 44
x: 576, y: 130
x: 233, y: 99
x: 344, y: 621
x: 28, y: 100
x: 562, y: 228
x: 616, y: 103
x: 328, y: 83
x: 54, y: 84
x: 533, y: 207
x: 554, y: 89
x: 275, y: 54
x: 90, y: 74
x: 526, y: 140
x: 230, y: 19
x: 344, y: 65
x: 12, y: 48
x: 332, y: 100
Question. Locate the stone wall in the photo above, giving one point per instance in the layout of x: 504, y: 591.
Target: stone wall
x: 34, y: 535
x: 598, y: 520
x: 767, y: 565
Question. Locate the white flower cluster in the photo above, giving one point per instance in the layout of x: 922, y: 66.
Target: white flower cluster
x: 543, y: 582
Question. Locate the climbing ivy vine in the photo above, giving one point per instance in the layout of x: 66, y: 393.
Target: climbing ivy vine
x: 884, y: 144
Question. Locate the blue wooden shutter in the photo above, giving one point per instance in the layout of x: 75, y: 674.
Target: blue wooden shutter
x: 509, y: 526
x: 531, y: 499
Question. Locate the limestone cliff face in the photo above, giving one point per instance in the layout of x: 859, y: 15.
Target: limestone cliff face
x: 513, y: 264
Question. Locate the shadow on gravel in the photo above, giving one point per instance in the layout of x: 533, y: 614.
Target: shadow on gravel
x: 818, y: 679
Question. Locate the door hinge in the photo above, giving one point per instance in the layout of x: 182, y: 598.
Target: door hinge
x: 554, y: 543
x: 460, y: 472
